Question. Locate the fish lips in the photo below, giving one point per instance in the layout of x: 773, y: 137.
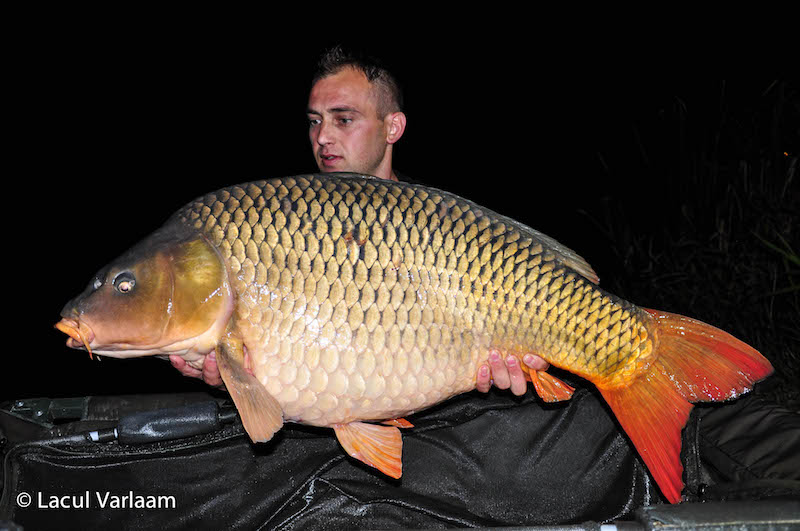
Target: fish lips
x: 80, y: 334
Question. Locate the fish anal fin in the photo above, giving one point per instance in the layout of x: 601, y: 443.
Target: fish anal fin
x: 260, y: 412
x: 549, y: 388
x: 377, y: 446
x: 399, y: 423
x: 693, y: 362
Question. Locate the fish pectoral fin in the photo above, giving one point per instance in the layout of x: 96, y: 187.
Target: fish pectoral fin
x: 261, y: 414
x: 549, y: 388
x: 399, y: 423
x: 378, y: 446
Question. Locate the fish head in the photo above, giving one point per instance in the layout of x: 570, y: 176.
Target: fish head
x: 167, y: 295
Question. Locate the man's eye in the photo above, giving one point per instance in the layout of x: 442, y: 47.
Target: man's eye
x: 313, y: 122
x: 345, y: 121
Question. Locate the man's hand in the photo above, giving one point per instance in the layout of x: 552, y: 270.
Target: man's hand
x: 507, y: 374
x: 209, y: 374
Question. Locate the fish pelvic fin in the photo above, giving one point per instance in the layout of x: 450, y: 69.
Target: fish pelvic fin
x: 260, y: 412
x: 375, y: 445
x: 694, y: 362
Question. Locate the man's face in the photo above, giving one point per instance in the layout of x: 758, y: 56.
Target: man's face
x: 344, y: 128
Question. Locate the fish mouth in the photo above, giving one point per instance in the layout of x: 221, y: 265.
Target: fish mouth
x: 80, y: 335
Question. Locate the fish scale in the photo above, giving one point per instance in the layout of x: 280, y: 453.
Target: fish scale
x: 363, y: 299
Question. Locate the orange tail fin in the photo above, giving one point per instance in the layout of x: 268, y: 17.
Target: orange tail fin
x: 695, y: 362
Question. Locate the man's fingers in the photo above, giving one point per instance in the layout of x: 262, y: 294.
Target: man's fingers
x: 535, y: 362
x: 517, y: 380
x: 484, y: 382
x: 211, y: 373
x: 507, y: 373
x: 499, y: 370
x: 177, y: 361
x: 183, y: 367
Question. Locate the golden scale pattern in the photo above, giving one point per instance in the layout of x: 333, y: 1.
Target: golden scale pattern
x: 360, y: 298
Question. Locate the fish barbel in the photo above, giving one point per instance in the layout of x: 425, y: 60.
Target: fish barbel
x: 350, y: 302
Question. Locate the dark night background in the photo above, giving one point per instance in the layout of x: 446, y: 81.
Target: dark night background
x: 112, y: 139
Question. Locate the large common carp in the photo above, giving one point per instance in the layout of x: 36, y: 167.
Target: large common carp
x: 338, y: 300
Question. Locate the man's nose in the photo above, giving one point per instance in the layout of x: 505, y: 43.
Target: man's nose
x: 324, y: 133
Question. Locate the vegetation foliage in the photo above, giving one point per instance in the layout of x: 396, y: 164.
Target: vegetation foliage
x: 730, y: 254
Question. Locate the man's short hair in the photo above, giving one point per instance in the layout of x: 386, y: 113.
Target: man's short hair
x: 390, y: 96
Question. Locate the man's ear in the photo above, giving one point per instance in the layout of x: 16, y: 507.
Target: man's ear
x: 396, y: 126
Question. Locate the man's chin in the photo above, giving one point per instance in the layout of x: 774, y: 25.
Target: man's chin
x: 327, y: 166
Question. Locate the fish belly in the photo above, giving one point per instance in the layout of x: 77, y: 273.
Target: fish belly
x: 361, y: 299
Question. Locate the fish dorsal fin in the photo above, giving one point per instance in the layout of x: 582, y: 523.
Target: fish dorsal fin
x: 582, y: 266
x: 564, y: 254
x: 261, y: 414
x: 567, y: 256
x: 378, y: 446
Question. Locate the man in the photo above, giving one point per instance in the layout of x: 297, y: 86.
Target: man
x: 355, y: 118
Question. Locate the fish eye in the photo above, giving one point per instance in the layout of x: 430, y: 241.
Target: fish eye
x: 124, y: 282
